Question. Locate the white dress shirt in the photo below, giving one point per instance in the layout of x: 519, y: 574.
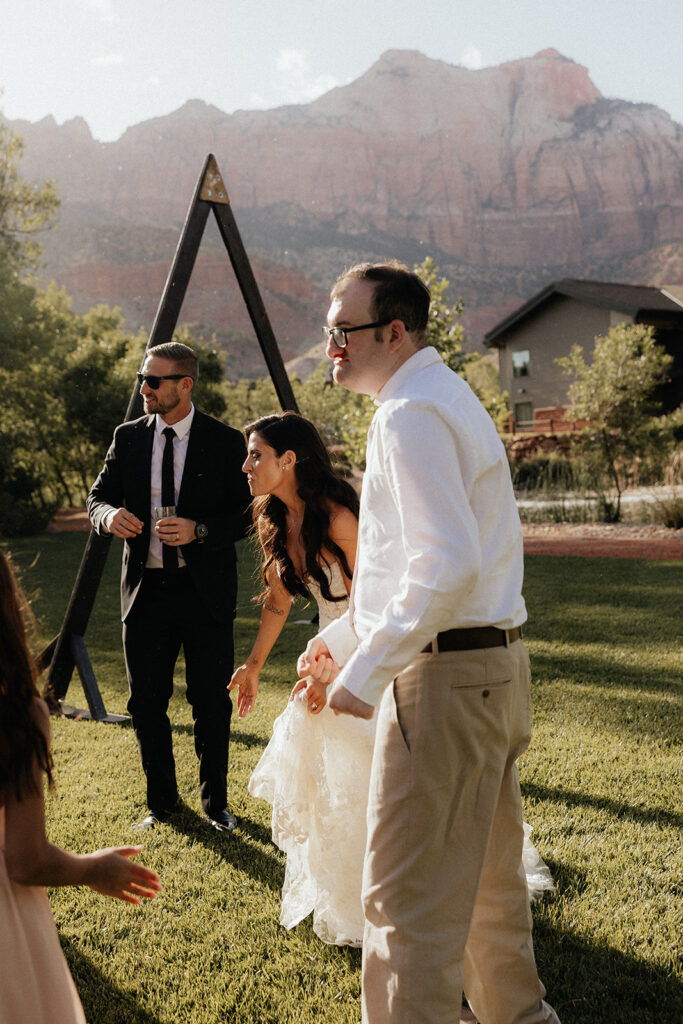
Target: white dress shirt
x: 180, y: 441
x: 439, y: 541
x: 182, y: 436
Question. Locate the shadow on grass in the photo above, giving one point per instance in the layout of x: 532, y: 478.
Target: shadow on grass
x: 240, y: 848
x: 244, y: 739
x: 571, y: 798
x: 601, y: 670
x: 103, y: 1001
x: 649, y: 708
x: 592, y: 983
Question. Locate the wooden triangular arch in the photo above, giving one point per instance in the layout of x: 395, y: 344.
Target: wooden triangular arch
x: 68, y: 650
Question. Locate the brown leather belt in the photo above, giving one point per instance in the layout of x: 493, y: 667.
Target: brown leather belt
x: 472, y: 639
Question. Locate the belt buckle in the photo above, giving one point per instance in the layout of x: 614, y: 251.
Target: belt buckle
x: 507, y: 632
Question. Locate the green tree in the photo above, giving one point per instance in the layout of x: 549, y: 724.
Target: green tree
x: 448, y: 336
x: 209, y: 393
x: 613, y: 394
x: 25, y: 210
x: 443, y: 331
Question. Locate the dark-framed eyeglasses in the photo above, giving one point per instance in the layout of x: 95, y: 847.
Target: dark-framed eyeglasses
x: 153, y: 380
x: 339, y: 334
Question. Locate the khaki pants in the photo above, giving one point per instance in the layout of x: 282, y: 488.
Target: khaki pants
x: 444, y: 889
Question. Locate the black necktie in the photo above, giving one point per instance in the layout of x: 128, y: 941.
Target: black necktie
x: 169, y: 554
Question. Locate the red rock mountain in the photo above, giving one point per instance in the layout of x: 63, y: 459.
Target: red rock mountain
x: 508, y: 176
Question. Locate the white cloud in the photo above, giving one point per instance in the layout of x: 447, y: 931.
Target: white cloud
x: 104, y: 8
x: 471, y: 58
x: 296, y: 83
x: 109, y: 61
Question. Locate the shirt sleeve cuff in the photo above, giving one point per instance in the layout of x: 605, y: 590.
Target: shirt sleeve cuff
x: 340, y: 639
x: 105, y: 520
x: 363, y: 678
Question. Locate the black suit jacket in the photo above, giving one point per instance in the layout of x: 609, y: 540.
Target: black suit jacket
x: 213, y: 491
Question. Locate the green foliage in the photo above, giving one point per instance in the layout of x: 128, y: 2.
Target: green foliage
x: 667, y: 508
x: 248, y: 400
x: 613, y: 394
x: 208, y: 393
x: 443, y: 332
x: 25, y: 210
x: 342, y: 417
x: 543, y: 472
x: 447, y: 337
x: 600, y: 783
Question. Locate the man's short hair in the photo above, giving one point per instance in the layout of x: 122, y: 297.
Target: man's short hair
x: 182, y: 355
x: 399, y: 294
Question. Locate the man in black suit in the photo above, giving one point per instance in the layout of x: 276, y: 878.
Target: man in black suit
x: 179, y: 576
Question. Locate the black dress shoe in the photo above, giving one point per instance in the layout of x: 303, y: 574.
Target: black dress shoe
x: 223, y: 821
x: 153, y: 819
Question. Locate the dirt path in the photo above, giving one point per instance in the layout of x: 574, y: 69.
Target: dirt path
x: 600, y: 540
x: 592, y: 540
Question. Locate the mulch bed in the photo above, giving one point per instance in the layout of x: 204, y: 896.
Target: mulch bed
x: 591, y: 540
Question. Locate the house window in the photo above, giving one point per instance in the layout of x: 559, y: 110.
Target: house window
x: 524, y: 412
x: 520, y: 363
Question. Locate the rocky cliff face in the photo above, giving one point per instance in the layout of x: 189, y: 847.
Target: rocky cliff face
x: 509, y: 176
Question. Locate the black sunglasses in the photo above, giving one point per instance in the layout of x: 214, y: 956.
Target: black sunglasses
x: 154, y: 382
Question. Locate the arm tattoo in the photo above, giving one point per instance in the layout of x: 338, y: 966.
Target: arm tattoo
x: 271, y: 608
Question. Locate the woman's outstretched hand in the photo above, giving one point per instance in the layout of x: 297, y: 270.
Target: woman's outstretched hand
x: 111, y: 873
x: 246, y: 680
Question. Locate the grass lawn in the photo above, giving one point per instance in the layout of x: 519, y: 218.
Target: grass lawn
x: 601, y: 785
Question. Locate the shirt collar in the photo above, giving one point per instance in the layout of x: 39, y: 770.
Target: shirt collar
x: 418, y: 361
x: 181, y: 427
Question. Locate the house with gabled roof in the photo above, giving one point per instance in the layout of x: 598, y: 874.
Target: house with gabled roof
x: 573, y: 312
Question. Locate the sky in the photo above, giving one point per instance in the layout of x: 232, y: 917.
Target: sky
x: 119, y: 62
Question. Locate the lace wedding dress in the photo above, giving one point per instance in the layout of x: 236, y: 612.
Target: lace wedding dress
x: 315, y: 773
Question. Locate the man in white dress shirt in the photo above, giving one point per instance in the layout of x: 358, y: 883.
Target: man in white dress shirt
x: 433, y: 636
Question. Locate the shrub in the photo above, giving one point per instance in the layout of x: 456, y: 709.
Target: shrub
x: 667, y: 509
x: 543, y: 472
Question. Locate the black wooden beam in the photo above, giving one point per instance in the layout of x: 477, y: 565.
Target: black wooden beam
x: 68, y: 649
x: 178, y: 279
x: 252, y: 297
x: 77, y: 613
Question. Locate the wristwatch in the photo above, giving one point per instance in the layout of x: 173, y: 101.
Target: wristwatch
x: 201, y: 532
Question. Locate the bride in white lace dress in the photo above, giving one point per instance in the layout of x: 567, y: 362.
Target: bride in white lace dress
x: 315, y: 770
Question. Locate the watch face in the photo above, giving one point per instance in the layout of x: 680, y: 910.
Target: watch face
x: 201, y: 531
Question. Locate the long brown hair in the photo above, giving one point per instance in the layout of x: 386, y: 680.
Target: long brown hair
x: 21, y: 740
x: 317, y: 485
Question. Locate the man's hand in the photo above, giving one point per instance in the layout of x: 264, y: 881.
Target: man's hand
x: 344, y: 703
x: 124, y: 524
x: 246, y: 679
x: 316, y: 693
x: 316, y: 661
x: 175, y: 531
